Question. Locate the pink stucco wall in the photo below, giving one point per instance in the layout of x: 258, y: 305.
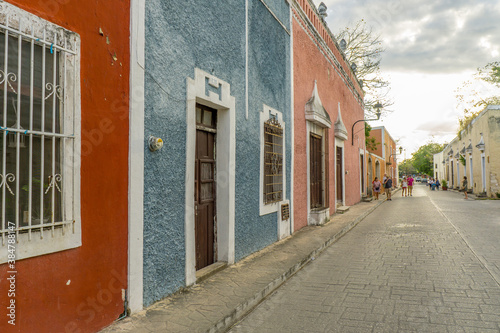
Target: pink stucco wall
x: 311, y: 64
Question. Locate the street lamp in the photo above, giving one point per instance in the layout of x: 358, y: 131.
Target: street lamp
x: 395, y: 153
x: 378, y: 111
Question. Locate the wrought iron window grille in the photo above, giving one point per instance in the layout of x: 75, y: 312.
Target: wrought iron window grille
x: 38, y: 65
x: 273, y: 161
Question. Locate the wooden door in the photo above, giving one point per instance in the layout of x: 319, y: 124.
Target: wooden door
x: 316, y: 176
x: 205, y: 207
x: 339, y: 168
x: 362, y: 167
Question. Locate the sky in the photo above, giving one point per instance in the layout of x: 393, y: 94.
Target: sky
x: 431, y: 48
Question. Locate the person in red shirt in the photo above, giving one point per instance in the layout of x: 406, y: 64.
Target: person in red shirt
x: 410, y: 185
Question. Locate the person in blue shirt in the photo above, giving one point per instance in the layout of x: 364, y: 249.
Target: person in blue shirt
x: 388, y: 187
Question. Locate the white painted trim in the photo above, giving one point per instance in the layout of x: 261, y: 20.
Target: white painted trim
x: 340, y: 143
x: 264, y: 116
x: 471, y: 173
x: 452, y: 174
x: 136, y: 158
x: 483, y: 171
x: 246, y: 59
x: 292, y: 125
x: 225, y: 104
x: 315, y: 216
x: 361, y: 177
x: 382, y: 145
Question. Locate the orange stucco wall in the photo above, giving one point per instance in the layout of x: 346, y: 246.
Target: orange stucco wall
x: 310, y: 65
x: 80, y: 290
x: 384, y: 152
x: 377, y: 134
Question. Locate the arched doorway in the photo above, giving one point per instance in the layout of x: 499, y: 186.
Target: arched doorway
x: 370, y: 177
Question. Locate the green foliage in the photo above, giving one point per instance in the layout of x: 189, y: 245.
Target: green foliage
x: 444, y: 183
x: 462, y: 159
x: 423, y: 159
x: 474, y: 95
x: 370, y: 142
x: 490, y: 73
x: 406, y: 167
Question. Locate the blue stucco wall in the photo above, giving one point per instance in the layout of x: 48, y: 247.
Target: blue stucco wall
x: 269, y: 83
x: 209, y: 35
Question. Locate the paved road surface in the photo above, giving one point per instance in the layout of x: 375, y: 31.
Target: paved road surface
x: 427, y: 263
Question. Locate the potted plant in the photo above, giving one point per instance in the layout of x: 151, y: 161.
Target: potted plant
x: 444, y: 185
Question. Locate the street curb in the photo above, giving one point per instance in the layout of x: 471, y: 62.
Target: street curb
x: 244, y: 308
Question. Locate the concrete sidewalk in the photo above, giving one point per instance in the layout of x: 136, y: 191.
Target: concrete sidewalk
x: 220, y: 301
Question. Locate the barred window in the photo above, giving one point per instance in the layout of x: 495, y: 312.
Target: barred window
x: 39, y: 134
x: 273, y: 161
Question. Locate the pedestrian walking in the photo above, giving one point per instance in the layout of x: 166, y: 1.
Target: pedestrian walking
x: 464, y: 185
x: 383, y: 182
x: 377, y: 185
x: 410, y: 185
x: 388, y: 187
x: 437, y: 184
x: 404, y: 185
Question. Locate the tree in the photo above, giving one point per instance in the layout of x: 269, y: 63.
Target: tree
x: 474, y: 95
x: 406, y: 167
x: 364, y: 49
x: 490, y: 73
x: 370, y: 141
x: 423, y: 159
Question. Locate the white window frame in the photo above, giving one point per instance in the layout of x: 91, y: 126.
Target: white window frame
x: 267, y: 112
x: 362, y: 167
x: 471, y: 172
x: 54, y: 236
x: 483, y: 171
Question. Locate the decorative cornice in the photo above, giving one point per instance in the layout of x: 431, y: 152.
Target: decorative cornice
x: 340, y: 129
x: 481, y: 144
x: 469, y: 147
x: 325, y: 48
x: 315, y: 112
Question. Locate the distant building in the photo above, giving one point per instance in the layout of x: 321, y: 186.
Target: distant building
x: 476, y: 154
x: 439, y: 166
x: 383, y: 158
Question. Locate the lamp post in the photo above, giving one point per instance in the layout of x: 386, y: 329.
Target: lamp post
x: 395, y: 160
x: 377, y: 108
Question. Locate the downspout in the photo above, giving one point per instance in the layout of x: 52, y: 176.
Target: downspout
x: 246, y: 59
x: 292, y: 114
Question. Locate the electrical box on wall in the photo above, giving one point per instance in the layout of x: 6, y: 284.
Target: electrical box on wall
x: 285, y: 212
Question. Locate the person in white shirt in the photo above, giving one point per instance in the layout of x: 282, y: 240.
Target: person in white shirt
x: 404, y: 185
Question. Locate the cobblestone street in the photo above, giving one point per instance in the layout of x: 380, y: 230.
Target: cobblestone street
x: 408, y: 267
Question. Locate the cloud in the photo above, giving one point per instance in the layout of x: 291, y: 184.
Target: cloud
x: 426, y: 36
x: 437, y: 128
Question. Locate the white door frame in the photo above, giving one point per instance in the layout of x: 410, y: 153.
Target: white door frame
x: 225, y: 104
